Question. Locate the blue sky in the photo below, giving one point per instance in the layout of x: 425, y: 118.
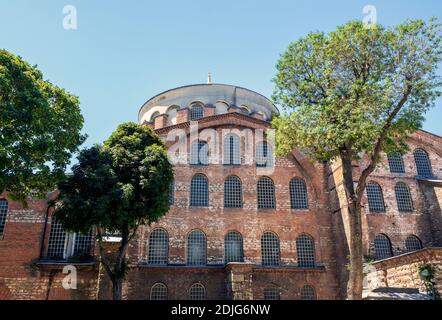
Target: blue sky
x: 124, y: 52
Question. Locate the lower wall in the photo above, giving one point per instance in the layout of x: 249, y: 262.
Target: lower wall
x: 403, y: 271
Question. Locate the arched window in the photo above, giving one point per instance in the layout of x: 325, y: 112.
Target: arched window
x: 413, y: 243
x: 232, y: 154
x: 232, y: 192
x: 158, y: 292
x: 298, y: 194
x: 199, y: 153
x: 158, y: 247
x: 270, y: 249
x: 308, y: 293
x: 172, y: 193
x: 305, y: 249
x: 245, y: 110
x: 403, y: 197
x: 197, y: 292
x: 196, y: 112
x: 266, y: 193
x: 233, y: 247
x: 83, y: 244
x: 196, y: 248
x: 199, y: 191
x: 375, y: 197
x: 57, y: 241
x: 423, y: 164
x: 154, y: 115
x: 382, y: 247
x: 3, y: 214
x: 272, y: 293
x: 264, y: 155
x: 396, y: 163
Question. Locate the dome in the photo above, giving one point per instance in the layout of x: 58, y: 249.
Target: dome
x: 218, y: 96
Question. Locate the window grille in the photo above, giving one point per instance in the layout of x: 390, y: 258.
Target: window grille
x: 83, y: 244
x: 264, y: 155
x: 158, y: 247
x: 232, y: 192
x: 57, y: 241
x: 3, y: 214
x: 197, y: 292
x: 308, y: 293
x: 196, y: 248
x: 199, y: 153
x: 298, y: 194
x: 196, y: 113
x: 305, y: 249
x: 172, y: 193
x: 199, y: 191
x: 233, y: 247
x: 403, y: 197
x: 271, y: 294
x: 270, y: 249
x: 396, y: 163
x: 423, y: 164
x: 413, y: 243
x: 382, y: 247
x: 375, y: 197
x: 158, y: 292
x: 232, y: 154
x: 266, y: 193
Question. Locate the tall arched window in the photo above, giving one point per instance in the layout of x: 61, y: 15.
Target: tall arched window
x: 158, y: 292
x: 272, y: 293
x: 172, y: 193
x: 199, y: 153
x: 382, y: 247
x: 83, y: 244
x: 413, y: 243
x: 3, y: 214
x: 403, y: 197
x: 423, y: 164
x: 233, y: 247
x: 264, y: 155
x: 232, y: 192
x: 305, y: 249
x: 375, y: 197
x: 57, y: 241
x: 196, y: 248
x: 197, y: 292
x: 396, y: 163
x: 266, y: 193
x: 199, y: 191
x: 196, y: 112
x: 308, y: 293
x: 298, y: 194
x: 158, y: 247
x: 154, y: 115
x: 232, y: 155
x: 270, y: 249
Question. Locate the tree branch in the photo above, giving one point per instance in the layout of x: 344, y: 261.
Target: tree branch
x: 378, y: 146
x: 104, y: 259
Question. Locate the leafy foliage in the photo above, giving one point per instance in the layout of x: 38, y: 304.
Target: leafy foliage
x: 122, y: 184
x: 344, y: 88
x: 39, y: 129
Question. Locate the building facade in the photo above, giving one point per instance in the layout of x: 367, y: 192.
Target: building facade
x: 243, y: 224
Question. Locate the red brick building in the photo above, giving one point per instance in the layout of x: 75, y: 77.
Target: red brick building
x: 242, y: 224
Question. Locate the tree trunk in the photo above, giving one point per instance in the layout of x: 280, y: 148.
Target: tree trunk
x: 356, y: 276
x: 117, y: 289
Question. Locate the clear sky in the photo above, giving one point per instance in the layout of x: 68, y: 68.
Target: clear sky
x: 124, y: 52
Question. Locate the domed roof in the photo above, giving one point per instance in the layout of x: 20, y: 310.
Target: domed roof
x: 208, y: 95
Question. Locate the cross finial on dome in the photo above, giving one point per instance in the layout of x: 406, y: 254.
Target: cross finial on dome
x: 209, y: 78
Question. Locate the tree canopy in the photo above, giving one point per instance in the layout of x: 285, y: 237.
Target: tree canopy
x: 346, y: 87
x: 116, y: 188
x: 40, y: 126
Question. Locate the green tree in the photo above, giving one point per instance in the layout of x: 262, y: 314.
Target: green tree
x: 115, y: 188
x: 39, y: 129
x: 351, y: 94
